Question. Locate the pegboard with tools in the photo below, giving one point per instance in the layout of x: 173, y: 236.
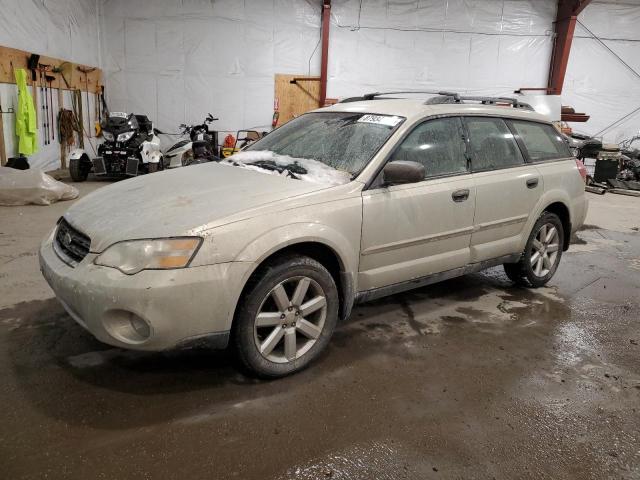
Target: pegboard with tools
x: 67, y: 74
x: 48, y: 77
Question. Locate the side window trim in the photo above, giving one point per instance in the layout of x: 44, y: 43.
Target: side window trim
x: 519, y: 141
x: 469, y: 143
x: 373, y: 184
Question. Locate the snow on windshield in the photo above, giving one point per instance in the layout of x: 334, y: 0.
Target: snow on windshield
x: 265, y: 161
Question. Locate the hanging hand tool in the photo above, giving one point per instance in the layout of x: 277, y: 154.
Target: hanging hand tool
x: 96, y: 113
x: 64, y: 69
x: 45, y: 108
x: 76, y: 101
x: 87, y: 71
x: 3, y: 153
x: 48, y: 110
x: 32, y: 64
x: 52, y: 124
x: 103, y: 105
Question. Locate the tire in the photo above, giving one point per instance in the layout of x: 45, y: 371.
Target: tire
x: 79, y: 172
x: 267, y: 350
x: 514, y: 273
x: 540, y: 259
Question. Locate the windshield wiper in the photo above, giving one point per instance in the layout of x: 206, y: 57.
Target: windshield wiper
x: 293, y: 169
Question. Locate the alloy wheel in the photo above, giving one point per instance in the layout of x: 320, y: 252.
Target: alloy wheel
x: 290, y: 319
x: 544, y: 250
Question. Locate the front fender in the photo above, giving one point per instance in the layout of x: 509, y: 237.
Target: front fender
x: 269, y: 243
x: 262, y: 247
x: 150, y: 150
x: 77, y: 153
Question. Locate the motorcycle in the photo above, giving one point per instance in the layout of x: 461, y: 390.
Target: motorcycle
x: 130, y: 148
x: 201, y: 146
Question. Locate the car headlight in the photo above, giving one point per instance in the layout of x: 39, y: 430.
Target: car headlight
x: 123, y: 137
x: 107, y: 136
x: 133, y: 256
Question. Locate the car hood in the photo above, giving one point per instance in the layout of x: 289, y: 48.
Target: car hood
x: 175, y: 202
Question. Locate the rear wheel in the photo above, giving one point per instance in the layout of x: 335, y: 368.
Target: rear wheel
x: 542, y: 254
x: 79, y: 169
x: 286, y: 318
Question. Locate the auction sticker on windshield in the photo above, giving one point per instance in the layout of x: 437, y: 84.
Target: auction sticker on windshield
x: 388, y: 120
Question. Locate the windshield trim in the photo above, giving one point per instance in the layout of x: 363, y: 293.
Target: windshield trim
x: 312, y: 112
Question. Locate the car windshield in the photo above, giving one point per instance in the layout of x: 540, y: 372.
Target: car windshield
x: 333, y: 145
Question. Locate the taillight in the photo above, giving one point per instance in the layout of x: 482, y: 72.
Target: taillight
x: 582, y: 170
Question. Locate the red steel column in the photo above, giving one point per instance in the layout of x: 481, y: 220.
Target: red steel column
x: 326, y: 16
x: 565, y: 26
x: 561, y: 50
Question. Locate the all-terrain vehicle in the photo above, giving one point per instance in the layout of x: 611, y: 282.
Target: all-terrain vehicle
x: 131, y: 147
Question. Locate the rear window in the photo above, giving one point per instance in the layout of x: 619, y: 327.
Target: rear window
x: 543, y: 142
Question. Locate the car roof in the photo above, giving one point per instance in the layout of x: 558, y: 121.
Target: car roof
x: 417, y: 108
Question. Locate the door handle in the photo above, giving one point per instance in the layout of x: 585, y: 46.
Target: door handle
x: 532, y: 183
x: 460, y: 195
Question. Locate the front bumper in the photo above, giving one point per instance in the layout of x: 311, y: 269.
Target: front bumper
x: 151, y: 310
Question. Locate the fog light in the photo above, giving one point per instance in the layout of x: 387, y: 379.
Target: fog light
x: 140, y: 326
x: 126, y: 326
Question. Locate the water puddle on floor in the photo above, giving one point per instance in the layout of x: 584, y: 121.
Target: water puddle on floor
x: 376, y: 460
x: 486, y: 299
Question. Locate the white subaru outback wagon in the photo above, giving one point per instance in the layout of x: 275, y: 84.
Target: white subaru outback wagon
x: 269, y: 248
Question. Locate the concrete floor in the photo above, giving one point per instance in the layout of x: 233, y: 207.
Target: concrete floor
x: 471, y: 378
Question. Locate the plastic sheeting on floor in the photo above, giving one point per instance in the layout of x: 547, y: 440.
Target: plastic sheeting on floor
x: 24, y: 187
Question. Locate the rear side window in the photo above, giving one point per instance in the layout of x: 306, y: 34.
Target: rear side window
x: 436, y: 144
x: 543, y: 142
x: 492, y: 144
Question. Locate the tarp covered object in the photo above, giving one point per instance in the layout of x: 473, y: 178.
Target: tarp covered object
x: 24, y: 187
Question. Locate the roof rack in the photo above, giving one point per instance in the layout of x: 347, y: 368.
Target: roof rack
x: 446, y: 97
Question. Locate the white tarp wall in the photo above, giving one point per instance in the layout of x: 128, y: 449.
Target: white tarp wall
x: 483, y: 47
x: 65, y: 29
x: 176, y: 60
x: 599, y: 84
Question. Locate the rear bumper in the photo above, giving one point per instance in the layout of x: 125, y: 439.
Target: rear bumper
x: 580, y: 213
x: 152, y: 310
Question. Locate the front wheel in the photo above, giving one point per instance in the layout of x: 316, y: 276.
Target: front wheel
x: 286, y: 318
x: 542, y: 254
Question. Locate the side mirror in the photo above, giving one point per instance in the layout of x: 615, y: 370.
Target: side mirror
x: 398, y: 172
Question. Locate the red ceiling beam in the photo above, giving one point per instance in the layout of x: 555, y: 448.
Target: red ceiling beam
x: 565, y: 25
x: 326, y: 16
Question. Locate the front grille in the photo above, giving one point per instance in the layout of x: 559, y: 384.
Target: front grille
x: 71, y: 242
x: 132, y: 166
x: 98, y: 166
